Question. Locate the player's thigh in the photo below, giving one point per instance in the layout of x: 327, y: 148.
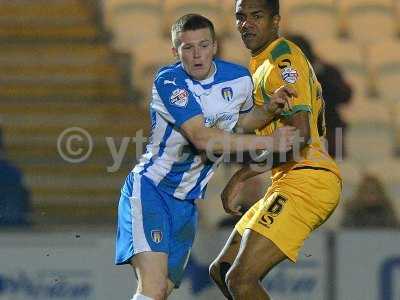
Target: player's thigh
x: 292, y: 208
x: 316, y: 194
x: 182, y: 234
x: 275, y: 217
x: 230, y: 249
x: 257, y: 255
x: 151, y: 270
x: 143, y: 222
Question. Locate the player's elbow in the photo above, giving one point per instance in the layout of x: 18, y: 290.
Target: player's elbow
x: 204, y: 138
x: 241, y: 128
x: 199, y: 135
x: 200, y: 143
x: 199, y: 140
x: 301, y: 122
x: 208, y: 142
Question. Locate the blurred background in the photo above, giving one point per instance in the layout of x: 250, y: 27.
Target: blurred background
x: 75, y: 82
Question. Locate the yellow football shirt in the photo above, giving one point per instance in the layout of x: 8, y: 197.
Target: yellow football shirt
x: 283, y: 63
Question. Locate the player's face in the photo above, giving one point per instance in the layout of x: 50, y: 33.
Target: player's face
x: 196, y: 52
x: 255, y: 24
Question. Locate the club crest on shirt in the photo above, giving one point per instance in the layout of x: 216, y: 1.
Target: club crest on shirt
x: 290, y: 75
x: 227, y: 93
x: 156, y: 236
x: 179, y: 97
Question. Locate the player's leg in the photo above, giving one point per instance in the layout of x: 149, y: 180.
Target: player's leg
x: 143, y: 236
x: 151, y: 269
x: 183, y: 231
x: 266, y: 241
x: 278, y: 229
x: 220, y: 266
x: 257, y: 256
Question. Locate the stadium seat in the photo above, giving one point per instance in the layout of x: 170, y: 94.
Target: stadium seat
x: 315, y: 19
x: 75, y: 54
x: 55, y: 55
x: 361, y: 111
x: 387, y: 169
x: 233, y: 49
x: 57, y: 20
x: 110, y: 6
x: 362, y: 16
x: 350, y: 57
x: 173, y: 9
x: 229, y: 18
x: 34, y: 12
x: 149, y: 58
x: 350, y: 170
x: 369, y: 142
x: 395, y: 116
x: 384, y: 60
x: 133, y: 22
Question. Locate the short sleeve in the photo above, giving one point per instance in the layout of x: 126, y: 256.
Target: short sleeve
x: 294, y: 72
x: 260, y: 94
x: 249, y: 102
x: 178, y: 100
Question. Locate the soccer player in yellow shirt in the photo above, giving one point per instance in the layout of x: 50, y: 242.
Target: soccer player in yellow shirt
x: 305, y: 188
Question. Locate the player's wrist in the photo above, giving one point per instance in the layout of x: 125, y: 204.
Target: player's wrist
x: 269, y: 143
x: 270, y: 115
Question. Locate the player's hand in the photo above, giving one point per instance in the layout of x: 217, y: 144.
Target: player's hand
x: 280, y: 101
x: 229, y: 195
x: 283, y: 139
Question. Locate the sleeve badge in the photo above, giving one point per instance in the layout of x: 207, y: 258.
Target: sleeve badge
x: 179, y: 97
x: 290, y: 75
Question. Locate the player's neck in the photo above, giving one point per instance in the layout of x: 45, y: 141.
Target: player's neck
x: 265, y: 46
x: 210, y: 73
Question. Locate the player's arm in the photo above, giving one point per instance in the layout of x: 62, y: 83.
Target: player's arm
x: 299, y: 121
x: 218, y: 141
x: 179, y: 106
x: 236, y: 184
x: 298, y: 117
x: 259, y: 116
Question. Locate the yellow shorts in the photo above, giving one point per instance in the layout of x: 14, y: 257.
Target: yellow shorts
x: 294, y: 205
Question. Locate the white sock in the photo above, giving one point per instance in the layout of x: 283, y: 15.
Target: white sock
x: 138, y: 296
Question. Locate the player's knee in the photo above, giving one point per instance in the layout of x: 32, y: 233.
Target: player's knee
x: 218, y: 270
x: 233, y: 278
x: 213, y: 270
x: 238, y: 279
x: 162, y: 291
x: 157, y: 289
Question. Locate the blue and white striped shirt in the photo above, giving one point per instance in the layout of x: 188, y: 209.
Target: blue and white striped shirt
x: 171, y: 161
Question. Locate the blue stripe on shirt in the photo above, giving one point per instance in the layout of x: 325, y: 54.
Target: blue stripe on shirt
x: 167, y: 134
x: 196, y: 190
x: 173, y: 179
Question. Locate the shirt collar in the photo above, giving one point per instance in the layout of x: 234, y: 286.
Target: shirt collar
x: 209, y: 79
x: 267, y: 50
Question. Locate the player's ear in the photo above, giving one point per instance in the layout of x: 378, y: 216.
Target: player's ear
x: 215, y: 47
x: 175, y: 52
x: 275, y: 22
